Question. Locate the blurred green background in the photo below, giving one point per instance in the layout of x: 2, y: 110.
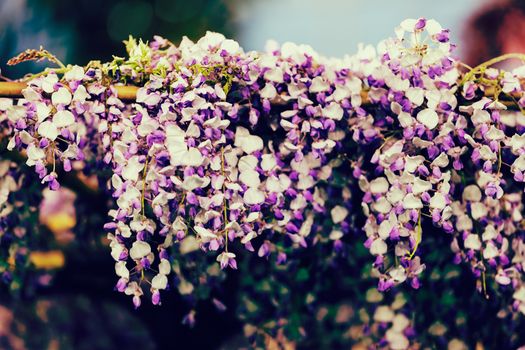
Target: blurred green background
x: 83, y: 30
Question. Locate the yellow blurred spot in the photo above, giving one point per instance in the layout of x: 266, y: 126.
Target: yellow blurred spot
x: 54, y: 344
x: 90, y: 181
x: 12, y: 263
x: 60, y: 222
x: 47, y: 260
x: 278, y: 343
x: 42, y: 308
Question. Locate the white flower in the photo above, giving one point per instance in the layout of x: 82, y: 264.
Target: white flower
x: 338, y: 213
x: 126, y: 200
x: 319, y: 85
x: 275, y: 75
x: 502, y: 278
x: 398, y: 274
x: 139, y: 249
x: 433, y: 27
x: 520, y: 294
x: 438, y: 201
x: 383, y: 313
x: 490, y: 251
x: 421, y: 186
x: 297, y: 52
x: 473, y: 242
x: 517, y: 142
x: 335, y: 235
x: 63, y: 118
x: 42, y: 111
x: 75, y: 73
x: 464, y: 223
x: 486, y: 153
x: 133, y: 288
x: 132, y: 169
x: 253, y: 196
x: 415, y: 95
x: 480, y: 116
x: 412, y: 202
x: 441, y: 161
x: 519, y: 164
x: 192, y: 157
x: 456, y: 344
x: 34, y: 154
x: 160, y: 281
x: 495, y: 134
x: 395, y: 195
x: 188, y: 245
x: 195, y: 181
x: 333, y: 111
x: 405, y: 119
x: 62, y: 96
x: 397, y: 83
x: 478, y: 210
x: 400, y: 323
x: 248, y: 162
x: 225, y: 259
x: 378, y: 247
x: 412, y: 163
x: 48, y: 83
x: 125, y: 230
x: 230, y: 46
x: 250, y: 178
x: 408, y: 25
x: 490, y: 233
x: 397, y: 340
x: 268, y: 91
x: 385, y: 228
x: 48, y: 130
x: 30, y: 94
x: 121, y: 270
x: 185, y: 287
x: 248, y: 143
x: 382, y: 205
x: 205, y: 234
x: 268, y: 162
x: 151, y: 99
x: 472, y: 193
x: 428, y: 117
x: 379, y: 185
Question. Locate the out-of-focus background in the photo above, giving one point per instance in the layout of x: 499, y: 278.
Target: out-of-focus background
x: 81, y: 306
x: 80, y: 31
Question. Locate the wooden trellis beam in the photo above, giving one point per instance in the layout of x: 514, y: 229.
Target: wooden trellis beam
x: 14, y: 89
x: 11, y: 89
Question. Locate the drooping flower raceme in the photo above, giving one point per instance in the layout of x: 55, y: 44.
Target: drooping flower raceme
x: 269, y: 152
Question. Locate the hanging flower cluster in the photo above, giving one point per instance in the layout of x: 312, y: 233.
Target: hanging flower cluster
x: 229, y: 151
x: 17, y: 224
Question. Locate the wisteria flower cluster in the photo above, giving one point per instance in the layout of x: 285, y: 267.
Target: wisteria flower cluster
x: 225, y: 152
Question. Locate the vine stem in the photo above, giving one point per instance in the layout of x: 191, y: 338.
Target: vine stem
x: 500, y: 160
x: 419, y: 237
x: 54, y: 157
x: 484, y: 284
x: 225, y: 208
x: 491, y: 62
x: 144, y: 174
